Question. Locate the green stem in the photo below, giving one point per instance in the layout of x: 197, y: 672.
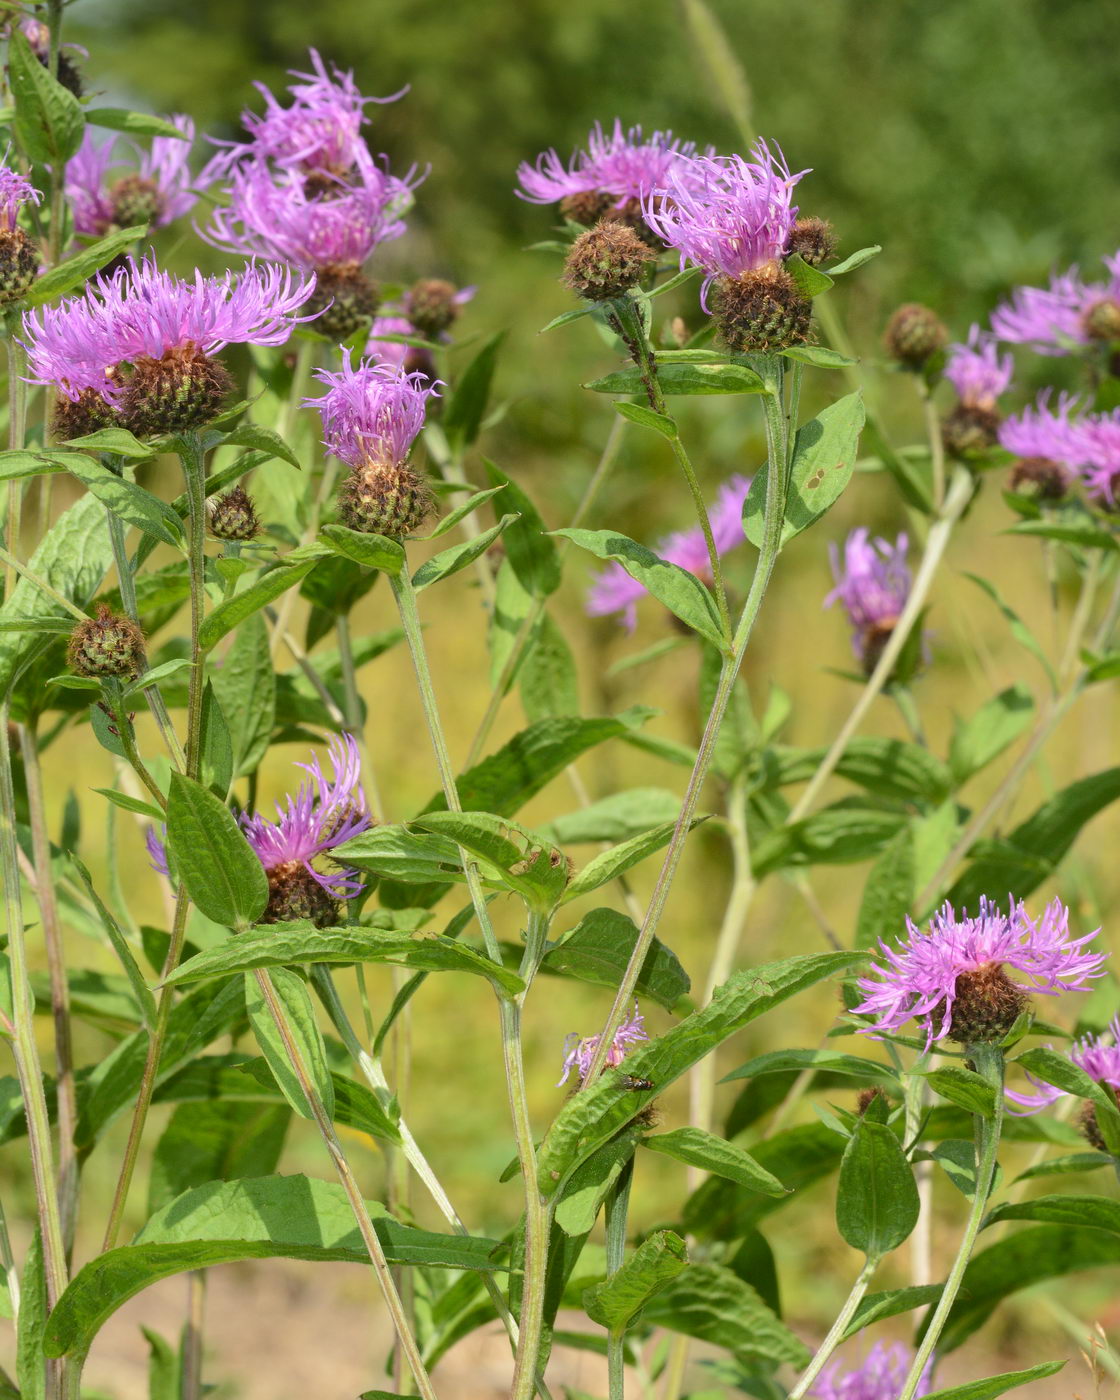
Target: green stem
x: 615, y: 1211
x: 112, y: 690
x: 192, y: 1335
x: 17, y: 431
x: 960, y: 493
x: 342, y: 1167
x: 989, y: 1062
x: 17, y: 566
x: 836, y: 1331
x: 771, y: 544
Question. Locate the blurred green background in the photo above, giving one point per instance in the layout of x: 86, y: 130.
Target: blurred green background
x: 977, y: 143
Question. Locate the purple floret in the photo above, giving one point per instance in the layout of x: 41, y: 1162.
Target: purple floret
x: 371, y: 412
x: 880, y: 1376
x: 977, y: 370
x: 578, y: 1053
x: 15, y: 192
x: 872, y: 583
x: 625, y: 164
x: 94, y: 173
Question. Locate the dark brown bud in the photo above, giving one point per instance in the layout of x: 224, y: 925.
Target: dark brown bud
x: 87, y: 413
x: 1040, y: 477
x: 813, y: 240
x: 606, y: 261
x: 19, y: 264
x: 1101, y: 321
x: 1090, y: 1128
x: 761, y: 311
x: 431, y: 306
x: 970, y: 430
x: 233, y: 516
x: 382, y: 498
x: 346, y: 297
x: 985, y: 1006
x: 185, y: 389
x: 873, y: 641
x: 867, y: 1097
x: 913, y: 334
x: 106, y: 645
x: 294, y: 893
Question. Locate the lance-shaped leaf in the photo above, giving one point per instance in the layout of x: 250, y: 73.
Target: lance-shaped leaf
x: 450, y: 561
x: 876, y: 1200
x: 598, y: 951
x: 1093, y: 1212
x: 131, y: 503
x: 293, y: 1217
x: 223, y: 874
x: 965, y: 1088
x: 995, y: 725
x: 709, y: 1302
x: 135, y: 123
x: 587, y: 1187
x: 531, y: 553
x: 48, y: 119
x: 265, y: 590
x: 608, y: 865
x: 72, y: 272
x: 777, y: 1061
x: 687, y: 378
x: 877, y: 1306
x: 657, y: 1261
x: 297, y: 1026
x: 718, y: 1156
x: 992, y: 1386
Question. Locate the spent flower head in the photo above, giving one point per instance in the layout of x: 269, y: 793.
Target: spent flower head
x: 880, y: 1376
x: 579, y: 1052
x: 951, y: 978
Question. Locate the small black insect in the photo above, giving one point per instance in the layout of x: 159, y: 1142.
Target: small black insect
x: 631, y: 1081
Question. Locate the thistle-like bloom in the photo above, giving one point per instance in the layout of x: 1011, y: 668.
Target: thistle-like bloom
x: 1065, y: 316
x: 614, y: 591
x: 371, y: 412
x: 881, y: 1376
x: 578, y: 1053
x: 15, y: 192
x: 951, y: 978
x: 872, y: 584
x: 622, y: 164
x: 150, y: 187
x: 728, y: 215
x: 977, y: 370
x: 1096, y: 439
x: 1040, y: 431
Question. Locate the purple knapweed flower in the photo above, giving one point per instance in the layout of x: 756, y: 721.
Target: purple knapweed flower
x: 728, y: 215
x: 880, y: 1376
x: 150, y: 187
x: 872, y: 584
x: 951, y: 978
x: 578, y: 1053
x: 15, y: 192
x: 1099, y: 1060
x: 371, y: 412
x: 622, y: 164
x: 977, y: 370
x: 1066, y: 316
x: 614, y: 591
x: 1096, y: 453
x: 390, y: 352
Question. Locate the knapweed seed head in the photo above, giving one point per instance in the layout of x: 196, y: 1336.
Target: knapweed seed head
x: 880, y: 1376
x: 872, y: 584
x: 579, y: 1052
x: 344, y: 300
x: 914, y: 334
x: 232, y: 516
x: 432, y: 305
x: 606, y: 261
x: 813, y: 240
x: 953, y: 977
x: 106, y: 645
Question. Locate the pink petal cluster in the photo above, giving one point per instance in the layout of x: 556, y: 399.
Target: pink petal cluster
x: 918, y: 979
x: 614, y: 591
x: 977, y: 370
x: 872, y: 583
x: 1099, y: 1060
x: 1052, y: 320
x: 15, y: 192
x: 96, y: 170
x: 578, y: 1053
x: 624, y: 163
x: 371, y: 412
x: 1085, y: 443
x: 880, y: 1376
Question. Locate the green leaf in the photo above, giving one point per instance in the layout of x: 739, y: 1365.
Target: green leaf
x: 587, y: 1188
x: 284, y: 945
x: 355, y: 1106
x: 131, y: 503
x: 965, y: 1088
x: 222, y: 873
x: 135, y: 123
x: 374, y: 551
x: 997, y: 1385
x: 472, y: 503
x: 118, y: 440
x: 165, y: 1372
x: 811, y: 281
x: 824, y: 457
x: 462, y: 420
x: 450, y: 561
x: 1084, y: 534
x: 32, y: 1324
x: 529, y: 550
x: 649, y: 1269
x: 856, y: 259
x: 547, y: 674
x: 1091, y: 1212
x: 777, y: 1061
x: 614, y: 818
x: 1061, y: 1166
x: 268, y: 587
x: 293, y: 1217
x: 14, y: 466
x: 887, y: 767
x: 711, y: 1303
x: 836, y: 835
x: 75, y: 271
x: 300, y: 1024
x: 1019, y: 630
x: 995, y: 725
x: 598, y: 950
x: 877, y: 1306
x: 714, y: 1154
x: 206, y: 1142
x: 646, y: 418
x: 677, y: 589
x: 877, y: 1203
x: 687, y: 378
x: 608, y: 865
x: 156, y: 676
x: 263, y: 440
x: 819, y: 356
x: 131, y: 804
x: 49, y: 120
x: 140, y: 989
x: 535, y: 871
x: 245, y: 684
x: 595, y: 1114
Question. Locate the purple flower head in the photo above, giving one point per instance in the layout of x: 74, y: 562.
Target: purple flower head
x: 726, y: 214
x: 623, y: 163
x: 1064, y: 317
x: 1040, y: 431
x: 151, y: 186
x: 614, y: 591
x: 371, y: 412
x: 1096, y: 454
x: 15, y: 192
x: 920, y: 978
x: 38, y: 35
x: 880, y: 1376
x: 578, y: 1053
x: 1099, y: 1060
x: 323, y: 814
x: 872, y: 583
x: 157, y: 850
x: 141, y: 311
x: 390, y: 352
x: 977, y: 370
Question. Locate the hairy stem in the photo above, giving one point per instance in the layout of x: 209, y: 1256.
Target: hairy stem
x: 836, y: 1331
x: 615, y: 1212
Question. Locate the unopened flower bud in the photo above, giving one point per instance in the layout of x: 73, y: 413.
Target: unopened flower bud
x: 136, y: 200
x: 346, y: 297
x: 383, y: 498
x: 760, y: 310
x: 182, y: 390
x: 867, y: 1098
x: 813, y: 240
x: 106, y: 645
x: 432, y: 306
x: 232, y: 516
x: 970, y: 430
x: 606, y: 261
x: 913, y: 334
x: 1102, y: 320
x: 986, y: 1004
x: 1040, y: 477
x: 19, y: 264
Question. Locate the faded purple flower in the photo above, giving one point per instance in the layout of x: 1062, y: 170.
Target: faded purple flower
x: 1066, y: 316
x: 977, y: 370
x: 323, y: 814
x: 371, y: 412
x: 873, y: 584
x: 880, y: 1376
x: 143, y: 312
x: 614, y: 591
x: 15, y: 192
x: 578, y: 1053
x: 961, y: 960
x: 152, y: 186
x: 625, y: 164
x: 728, y: 215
